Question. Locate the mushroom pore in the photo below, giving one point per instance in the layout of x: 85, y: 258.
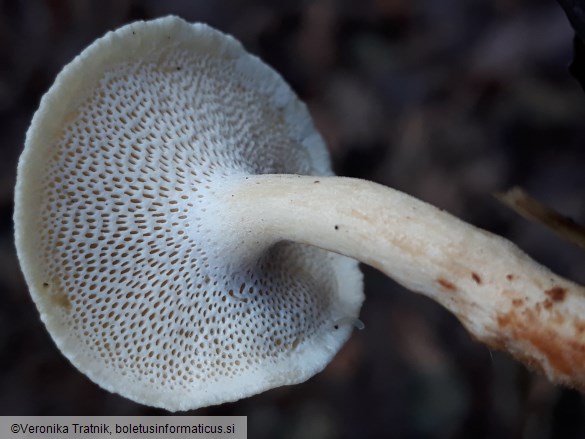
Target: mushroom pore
x: 186, y: 243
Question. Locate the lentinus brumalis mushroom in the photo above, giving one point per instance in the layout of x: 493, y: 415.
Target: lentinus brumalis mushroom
x: 186, y: 242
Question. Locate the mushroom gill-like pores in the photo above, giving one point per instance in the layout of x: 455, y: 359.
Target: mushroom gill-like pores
x: 182, y: 234
x: 115, y: 214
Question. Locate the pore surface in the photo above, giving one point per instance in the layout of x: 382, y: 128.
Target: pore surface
x: 117, y: 239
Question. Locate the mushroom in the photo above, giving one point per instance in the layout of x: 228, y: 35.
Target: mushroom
x: 186, y: 242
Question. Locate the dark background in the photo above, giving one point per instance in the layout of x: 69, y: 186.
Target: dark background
x: 448, y: 100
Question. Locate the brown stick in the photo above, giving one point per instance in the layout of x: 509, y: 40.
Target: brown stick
x: 533, y: 210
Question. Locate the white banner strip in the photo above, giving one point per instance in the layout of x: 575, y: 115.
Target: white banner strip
x: 119, y: 427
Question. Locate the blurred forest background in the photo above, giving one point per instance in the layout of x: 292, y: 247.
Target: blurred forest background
x: 448, y: 100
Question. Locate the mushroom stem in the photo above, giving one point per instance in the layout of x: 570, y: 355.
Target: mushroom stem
x: 503, y: 297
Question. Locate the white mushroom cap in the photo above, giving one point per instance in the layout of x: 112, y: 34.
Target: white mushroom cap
x: 113, y: 209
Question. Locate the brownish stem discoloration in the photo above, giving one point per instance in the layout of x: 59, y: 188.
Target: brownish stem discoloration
x: 501, y: 295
